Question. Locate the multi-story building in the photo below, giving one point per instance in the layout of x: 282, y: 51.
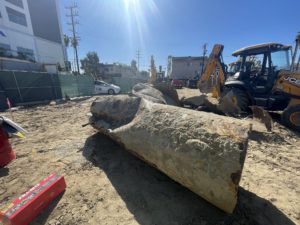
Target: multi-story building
x: 184, y: 68
x: 31, y: 29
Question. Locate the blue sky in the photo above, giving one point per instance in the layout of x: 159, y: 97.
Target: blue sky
x: 115, y: 29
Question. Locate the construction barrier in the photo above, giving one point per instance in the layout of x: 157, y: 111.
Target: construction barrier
x: 26, y: 87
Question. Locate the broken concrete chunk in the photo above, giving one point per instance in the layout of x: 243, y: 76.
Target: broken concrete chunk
x: 202, y: 151
x: 148, y: 92
x: 159, y: 93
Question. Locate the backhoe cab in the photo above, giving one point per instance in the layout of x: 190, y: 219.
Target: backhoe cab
x: 233, y: 68
x: 264, y: 75
x: 259, y: 68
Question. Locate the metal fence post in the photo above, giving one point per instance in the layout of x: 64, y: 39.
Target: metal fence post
x: 17, y: 85
x: 53, y: 85
x: 78, y: 95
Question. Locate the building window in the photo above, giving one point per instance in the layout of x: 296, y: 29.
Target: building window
x: 16, y: 17
x: 5, y: 50
x: 16, y: 2
x: 26, y: 53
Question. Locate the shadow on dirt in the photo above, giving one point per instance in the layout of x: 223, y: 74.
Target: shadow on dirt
x: 43, y: 216
x: 154, y: 198
x: 266, y: 137
x: 276, y: 117
x: 4, y: 171
x: 275, y: 136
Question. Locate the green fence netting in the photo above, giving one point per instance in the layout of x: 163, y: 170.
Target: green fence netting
x: 125, y: 83
x: 25, y: 87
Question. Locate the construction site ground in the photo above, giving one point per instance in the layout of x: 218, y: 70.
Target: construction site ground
x: 107, y: 185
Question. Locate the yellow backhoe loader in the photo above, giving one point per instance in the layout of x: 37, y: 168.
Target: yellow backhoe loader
x: 266, y: 77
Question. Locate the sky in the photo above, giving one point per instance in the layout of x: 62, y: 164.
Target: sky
x: 116, y: 29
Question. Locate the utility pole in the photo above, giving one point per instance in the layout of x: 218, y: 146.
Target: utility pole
x: 294, y: 64
x: 75, y: 39
x: 138, y: 57
x: 204, y: 54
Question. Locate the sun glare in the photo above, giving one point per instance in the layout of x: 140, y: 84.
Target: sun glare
x: 130, y: 2
x: 137, y: 15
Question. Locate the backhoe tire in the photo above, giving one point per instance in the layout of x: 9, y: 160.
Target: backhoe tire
x: 234, y: 102
x: 241, y: 99
x: 291, y: 117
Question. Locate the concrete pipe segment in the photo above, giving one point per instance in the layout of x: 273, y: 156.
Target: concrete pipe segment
x: 202, y: 151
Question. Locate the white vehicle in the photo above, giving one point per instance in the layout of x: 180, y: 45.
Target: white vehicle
x: 104, y: 88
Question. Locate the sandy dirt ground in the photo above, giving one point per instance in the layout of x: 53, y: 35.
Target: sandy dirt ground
x: 107, y: 185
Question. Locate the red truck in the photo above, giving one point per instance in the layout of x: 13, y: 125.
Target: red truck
x: 177, y: 83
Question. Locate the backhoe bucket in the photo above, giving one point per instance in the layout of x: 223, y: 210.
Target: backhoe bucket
x: 202, y: 151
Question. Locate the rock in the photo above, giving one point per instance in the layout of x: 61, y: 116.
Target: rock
x: 85, y: 208
x: 52, y: 222
x: 148, y: 92
x: 52, y: 103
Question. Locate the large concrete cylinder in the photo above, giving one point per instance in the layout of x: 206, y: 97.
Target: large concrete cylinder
x: 202, y: 151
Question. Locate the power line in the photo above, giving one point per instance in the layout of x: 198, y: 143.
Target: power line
x: 73, y: 9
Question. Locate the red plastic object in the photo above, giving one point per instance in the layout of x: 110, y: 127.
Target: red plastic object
x: 25, y: 208
x: 7, y: 154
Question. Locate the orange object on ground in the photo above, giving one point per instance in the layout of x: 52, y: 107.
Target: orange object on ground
x: 25, y: 208
x: 7, y: 154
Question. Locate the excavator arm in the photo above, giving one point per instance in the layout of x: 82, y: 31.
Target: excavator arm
x: 214, y: 75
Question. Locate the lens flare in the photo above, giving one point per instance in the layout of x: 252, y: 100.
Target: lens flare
x: 138, y: 13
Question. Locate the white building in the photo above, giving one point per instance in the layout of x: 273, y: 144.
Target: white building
x: 32, y: 29
x: 122, y: 70
x: 184, y: 68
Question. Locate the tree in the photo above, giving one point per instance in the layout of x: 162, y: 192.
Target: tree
x: 133, y: 65
x: 69, y: 40
x: 66, y: 40
x: 90, y: 64
x: 74, y: 42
